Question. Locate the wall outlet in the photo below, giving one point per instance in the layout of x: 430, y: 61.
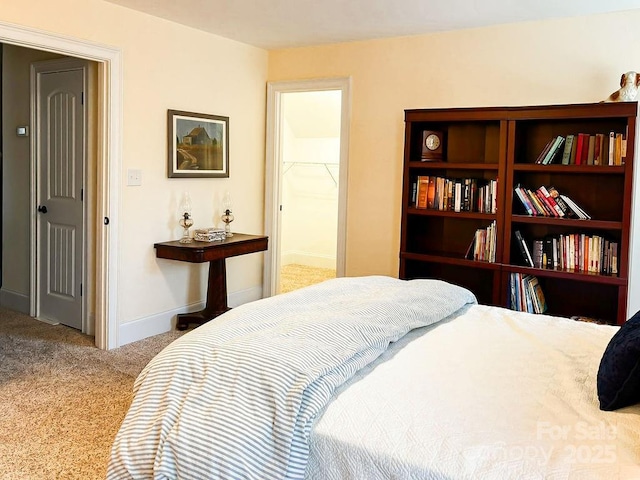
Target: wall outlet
x: 134, y: 177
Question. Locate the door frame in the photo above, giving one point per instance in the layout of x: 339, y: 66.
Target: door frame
x: 108, y: 163
x: 38, y: 68
x: 273, y: 172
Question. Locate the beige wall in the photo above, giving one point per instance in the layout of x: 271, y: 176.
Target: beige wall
x: 557, y: 61
x: 169, y: 66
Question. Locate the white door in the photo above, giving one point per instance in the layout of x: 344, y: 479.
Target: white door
x: 60, y: 179
x: 277, y: 165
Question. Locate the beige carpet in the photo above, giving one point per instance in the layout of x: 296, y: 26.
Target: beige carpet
x: 294, y: 276
x: 61, y: 399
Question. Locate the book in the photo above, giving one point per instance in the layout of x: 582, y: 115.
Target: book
x: 618, y: 150
x: 580, y: 148
x: 551, y: 201
x: 423, y: 187
x: 530, y: 201
x: 440, y: 193
x: 553, y: 151
x: 591, y: 150
x: 524, y: 201
x: 574, y: 149
x: 457, y: 198
x: 537, y: 253
x: 574, y: 206
x: 585, y: 150
x: 466, y: 195
x: 473, y: 195
x: 547, y: 252
x: 551, y: 212
x: 528, y: 284
x: 599, y: 144
x: 514, y: 282
x: 536, y: 203
x: 568, y: 146
x: 545, y: 150
x: 561, y: 203
x: 540, y: 303
x: 524, y: 290
x: 612, y: 146
x: 614, y: 258
x: 513, y: 303
x: 484, y: 244
x: 524, y: 249
x: 431, y: 193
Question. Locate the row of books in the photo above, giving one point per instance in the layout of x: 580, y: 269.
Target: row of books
x: 483, y: 246
x: 572, y: 252
x: 526, y: 294
x: 548, y: 202
x: 455, y: 194
x: 585, y: 149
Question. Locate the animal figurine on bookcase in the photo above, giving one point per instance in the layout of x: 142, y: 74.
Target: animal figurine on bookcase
x: 629, y: 84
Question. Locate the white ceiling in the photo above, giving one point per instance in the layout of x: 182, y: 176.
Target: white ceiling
x: 272, y: 24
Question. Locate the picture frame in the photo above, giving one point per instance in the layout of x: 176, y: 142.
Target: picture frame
x: 198, y: 145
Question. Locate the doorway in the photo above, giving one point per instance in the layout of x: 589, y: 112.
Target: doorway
x: 109, y: 147
x: 306, y: 182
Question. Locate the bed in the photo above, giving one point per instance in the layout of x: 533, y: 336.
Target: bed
x: 378, y: 378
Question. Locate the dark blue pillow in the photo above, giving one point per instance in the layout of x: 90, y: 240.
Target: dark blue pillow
x: 619, y: 372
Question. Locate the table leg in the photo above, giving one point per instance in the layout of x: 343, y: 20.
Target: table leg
x: 216, y: 297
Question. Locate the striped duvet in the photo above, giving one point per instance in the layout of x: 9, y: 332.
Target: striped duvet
x: 237, y: 397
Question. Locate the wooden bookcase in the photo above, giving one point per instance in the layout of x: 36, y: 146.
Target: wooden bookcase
x: 503, y: 144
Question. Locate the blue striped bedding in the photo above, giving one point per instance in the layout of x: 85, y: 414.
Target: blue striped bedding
x: 237, y: 397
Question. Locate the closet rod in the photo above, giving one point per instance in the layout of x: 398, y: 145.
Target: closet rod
x: 317, y: 164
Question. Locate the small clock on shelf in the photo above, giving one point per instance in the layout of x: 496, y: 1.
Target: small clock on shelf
x: 432, y: 145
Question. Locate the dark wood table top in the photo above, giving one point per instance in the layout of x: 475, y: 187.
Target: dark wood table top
x: 197, y: 252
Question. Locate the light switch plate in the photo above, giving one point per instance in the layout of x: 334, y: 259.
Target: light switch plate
x: 134, y: 177
x: 22, y: 131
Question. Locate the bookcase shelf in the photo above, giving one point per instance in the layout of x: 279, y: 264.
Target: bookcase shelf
x: 571, y: 169
x: 567, y: 222
x: 568, y: 275
x: 445, y: 258
x: 452, y: 166
x: 447, y: 213
x: 503, y: 144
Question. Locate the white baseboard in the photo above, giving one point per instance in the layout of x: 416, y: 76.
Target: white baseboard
x: 165, y: 321
x: 15, y: 301
x: 309, y: 259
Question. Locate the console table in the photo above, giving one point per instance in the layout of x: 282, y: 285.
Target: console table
x: 215, y: 253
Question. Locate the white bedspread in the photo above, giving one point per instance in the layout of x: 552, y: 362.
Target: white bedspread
x: 492, y: 394
x: 236, y: 398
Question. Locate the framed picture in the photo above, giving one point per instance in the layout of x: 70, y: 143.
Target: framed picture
x: 198, y: 145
